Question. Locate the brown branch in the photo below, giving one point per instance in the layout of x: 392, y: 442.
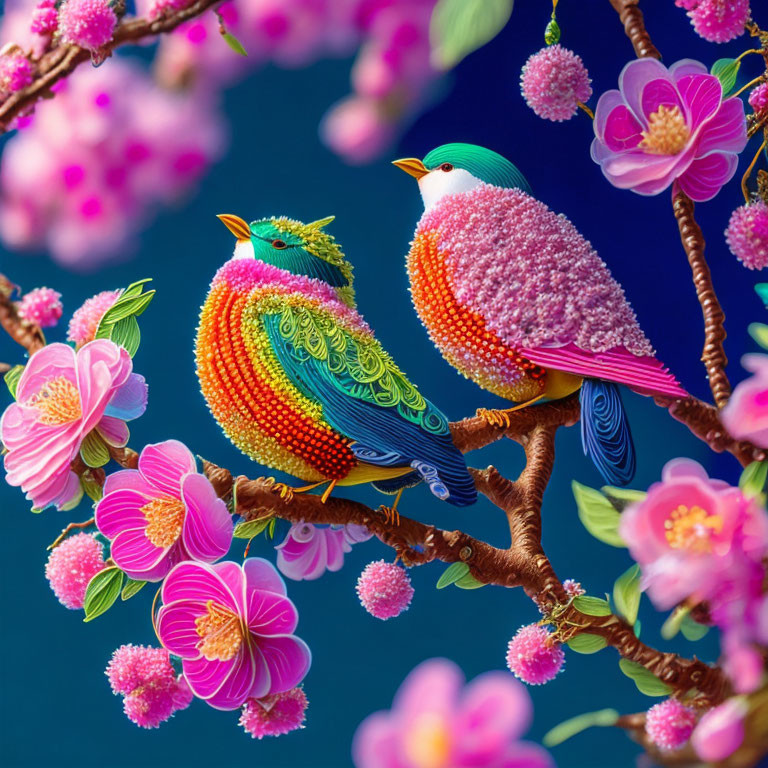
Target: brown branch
x: 28, y: 335
x: 631, y: 17
x: 713, y: 356
x: 60, y: 62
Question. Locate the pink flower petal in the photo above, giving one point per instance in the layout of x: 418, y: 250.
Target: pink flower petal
x: 377, y: 743
x: 120, y: 511
x: 527, y: 755
x: 260, y: 574
x: 135, y: 554
x: 207, y: 531
x: 113, y: 431
x: 102, y: 367
x: 633, y: 79
x: 199, y: 582
x: 226, y: 684
x: 130, y: 400
x: 176, y: 627
x: 702, y: 95
x: 621, y: 130
x: 433, y: 686
x: 164, y: 464
x: 704, y: 177
x: 687, y: 67
x: 129, y: 480
x: 659, y: 93
x: 268, y: 613
x: 50, y: 362
x: 726, y: 131
x: 288, y: 660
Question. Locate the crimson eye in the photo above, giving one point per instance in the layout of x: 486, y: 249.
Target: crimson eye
x: 446, y: 167
x: 279, y: 244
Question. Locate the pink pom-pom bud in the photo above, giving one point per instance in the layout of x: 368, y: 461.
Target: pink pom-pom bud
x: 384, y: 589
x: 16, y: 72
x: 747, y: 234
x: 71, y: 566
x: 85, y: 321
x: 758, y: 98
x: 274, y: 715
x: 573, y: 588
x: 45, y: 18
x: 87, y: 23
x: 553, y: 82
x: 41, y: 306
x: 669, y: 724
x: 719, y: 21
x: 533, y: 655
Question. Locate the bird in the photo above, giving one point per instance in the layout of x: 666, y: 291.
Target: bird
x: 518, y: 301
x: 297, y: 380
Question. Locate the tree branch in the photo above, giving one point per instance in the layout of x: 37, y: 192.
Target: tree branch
x: 631, y: 17
x: 28, y: 335
x: 62, y: 60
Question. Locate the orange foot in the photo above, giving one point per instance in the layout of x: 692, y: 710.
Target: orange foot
x: 391, y: 515
x: 287, y: 492
x: 500, y: 418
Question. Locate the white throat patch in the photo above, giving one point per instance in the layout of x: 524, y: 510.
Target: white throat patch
x: 243, y: 250
x: 437, y: 184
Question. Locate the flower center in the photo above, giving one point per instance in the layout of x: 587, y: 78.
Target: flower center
x: 428, y: 742
x: 58, y: 402
x: 165, y: 517
x: 667, y: 132
x: 220, y: 632
x: 691, y: 528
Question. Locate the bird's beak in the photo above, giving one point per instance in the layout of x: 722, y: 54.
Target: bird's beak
x: 412, y: 166
x: 236, y: 226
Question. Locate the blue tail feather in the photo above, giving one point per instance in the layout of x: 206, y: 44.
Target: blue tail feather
x: 605, y: 432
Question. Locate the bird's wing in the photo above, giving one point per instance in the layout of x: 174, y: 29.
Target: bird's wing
x: 364, y: 395
x: 643, y: 374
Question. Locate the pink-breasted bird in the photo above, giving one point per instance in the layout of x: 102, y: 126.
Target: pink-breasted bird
x: 518, y: 301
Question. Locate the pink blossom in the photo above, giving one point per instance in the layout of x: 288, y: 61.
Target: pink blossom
x: 41, y: 306
x: 747, y: 234
x: 45, y: 18
x: 152, y: 691
x: 758, y: 98
x: 308, y: 551
x: 721, y: 731
x: 746, y: 414
x: 62, y: 396
x: 534, y: 656
x: 162, y: 513
x: 554, y: 81
x: 719, y: 21
x: 71, y: 566
x: 669, y: 724
x: 436, y: 721
x: 87, y: 23
x: 573, y: 588
x: 356, y: 129
x: 232, y: 626
x: 16, y: 72
x: 274, y: 715
x: 668, y: 125
x: 689, y: 532
x: 384, y: 589
x: 742, y: 661
x: 85, y: 320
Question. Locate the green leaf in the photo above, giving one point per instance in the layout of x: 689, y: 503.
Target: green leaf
x: 452, y: 574
x: 126, y: 333
x: 671, y: 626
x: 587, y: 643
x: 251, y: 528
x: 752, y: 480
x: 592, y: 606
x: 94, y: 490
x: 636, y: 627
x: 12, y: 377
x: 131, y: 588
x: 126, y: 306
x: 692, y: 630
x: 234, y: 43
x: 598, y: 515
x: 271, y: 528
x: 459, y: 27
x: 622, y: 497
x: 93, y: 450
x: 552, y: 33
x: 726, y: 70
x: 134, y: 289
x: 759, y: 332
x: 645, y: 680
x: 102, y: 591
x: 468, y: 581
x: 762, y: 291
x: 568, y: 728
x: 626, y: 594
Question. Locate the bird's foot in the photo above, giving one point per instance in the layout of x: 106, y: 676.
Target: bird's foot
x: 391, y: 515
x: 495, y: 418
x: 285, y: 492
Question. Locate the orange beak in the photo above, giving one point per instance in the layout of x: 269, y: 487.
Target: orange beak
x: 237, y: 226
x: 412, y: 166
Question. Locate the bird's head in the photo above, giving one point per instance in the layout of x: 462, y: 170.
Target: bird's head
x: 298, y: 248
x: 454, y: 168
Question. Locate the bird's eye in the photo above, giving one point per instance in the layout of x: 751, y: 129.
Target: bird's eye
x: 279, y: 244
x: 446, y: 167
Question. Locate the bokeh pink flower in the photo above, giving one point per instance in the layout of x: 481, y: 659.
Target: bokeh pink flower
x: 72, y: 565
x: 668, y: 125
x: 437, y: 721
x: 62, y: 396
x: 746, y: 414
x: 274, y: 715
x: 233, y: 628
x: 308, y: 550
x: 384, y: 589
x: 162, y: 513
x: 747, y: 234
x: 41, y: 306
x: 720, y: 731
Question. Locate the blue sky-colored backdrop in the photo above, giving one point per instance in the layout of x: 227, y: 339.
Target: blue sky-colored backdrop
x: 56, y: 708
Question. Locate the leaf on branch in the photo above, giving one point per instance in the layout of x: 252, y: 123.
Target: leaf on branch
x: 468, y: 581
x: 102, y: 591
x: 592, y: 606
x: 627, y: 592
x: 552, y: 33
x: 568, y: 728
x: 252, y: 528
x: 726, y: 70
x: 119, y: 322
x: 452, y: 574
x: 234, y: 43
x: 759, y: 332
x: 752, y: 480
x: 131, y: 588
x: 598, y: 515
x: 92, y: 488
x: 93, y: 450
x: 646, y: 682
x: 459, y: 27
x: 671, y: 626
x: 692, y: 630
x: 621, y: 498
x: 587, y: 643
x: 12, y: 377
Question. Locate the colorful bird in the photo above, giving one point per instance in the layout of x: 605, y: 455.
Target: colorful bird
x: 297, y: 380
x: 518, y: 301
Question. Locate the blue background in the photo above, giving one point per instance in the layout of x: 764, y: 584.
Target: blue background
x: 57, y: 708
